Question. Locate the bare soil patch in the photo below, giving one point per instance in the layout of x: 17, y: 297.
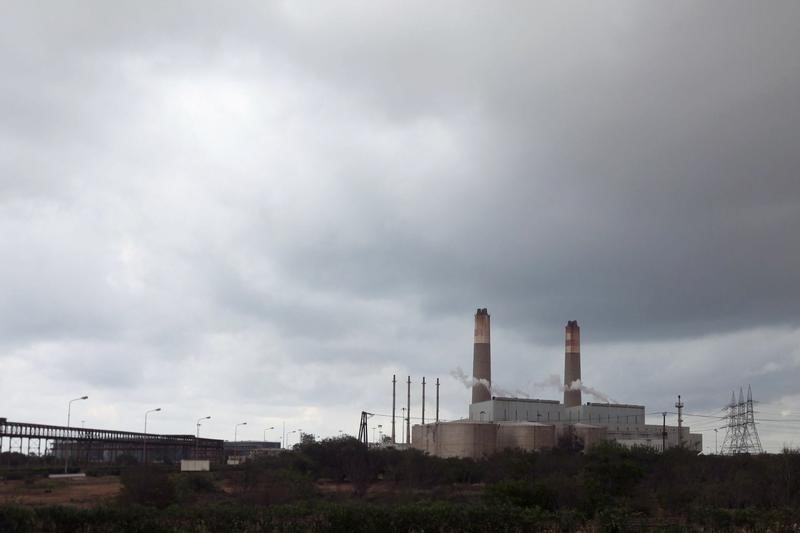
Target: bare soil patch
x: 80, y: 492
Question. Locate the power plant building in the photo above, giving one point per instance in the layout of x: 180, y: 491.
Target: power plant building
x: 496, y: 423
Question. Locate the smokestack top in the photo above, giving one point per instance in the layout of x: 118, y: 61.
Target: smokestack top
x: 482, y: 326
x: 573, y: 337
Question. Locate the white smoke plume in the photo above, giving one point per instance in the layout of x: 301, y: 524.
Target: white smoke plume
x: 554, y: 380
x: 594, y: 393
x: 470, y: 381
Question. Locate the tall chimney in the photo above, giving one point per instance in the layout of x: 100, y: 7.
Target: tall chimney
x: 572, y: 363
x: 481, y: 358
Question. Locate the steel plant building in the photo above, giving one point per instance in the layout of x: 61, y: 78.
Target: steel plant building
x: 497, y: 423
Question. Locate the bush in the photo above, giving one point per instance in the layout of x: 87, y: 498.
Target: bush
x: 147, y: 485
x: 521, y: 493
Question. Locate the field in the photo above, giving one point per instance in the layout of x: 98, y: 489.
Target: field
x: 81, y: 492
x: 340, y: 485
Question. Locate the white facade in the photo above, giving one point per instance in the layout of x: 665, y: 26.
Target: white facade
x: 195, y: 465
x: 623, y: 423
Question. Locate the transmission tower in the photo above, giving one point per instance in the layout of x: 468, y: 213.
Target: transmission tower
x: 363, y: 433
x: 741, y: 435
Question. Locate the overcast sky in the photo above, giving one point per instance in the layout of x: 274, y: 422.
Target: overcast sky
x: 260, y: 211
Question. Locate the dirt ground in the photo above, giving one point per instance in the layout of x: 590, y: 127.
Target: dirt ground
x: 80, y: 492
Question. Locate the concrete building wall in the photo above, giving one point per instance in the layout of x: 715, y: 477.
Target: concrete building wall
x: 590, y: 435
x: 528, y: 436
x: 622, y: 416
x: 650, y: 435
x: 517, y: 410
x: 456, y: 439
x: 611, y: 415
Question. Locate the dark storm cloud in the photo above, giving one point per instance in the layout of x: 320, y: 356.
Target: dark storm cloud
x: 643, y: 179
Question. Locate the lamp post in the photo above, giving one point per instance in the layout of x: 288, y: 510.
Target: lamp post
x: 69, y: 413
x: 403, y: 426
x: 197, y: 437
x: 236, y: 428
x: 715, y: 440
x: 265, y: 432
x: 144, y: 447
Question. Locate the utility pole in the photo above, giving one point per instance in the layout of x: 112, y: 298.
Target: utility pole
x: 437, y: 400
x: 715, y: 441
x: 664, y: 432
x: 423, y: 400
x: 679, y: 405
x: 394, y: 403
x: 408, y: 413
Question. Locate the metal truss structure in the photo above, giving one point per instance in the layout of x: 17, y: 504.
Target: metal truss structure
x: 742, y: 435
x: 104, y: 445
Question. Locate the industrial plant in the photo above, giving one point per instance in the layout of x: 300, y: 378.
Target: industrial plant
x: 496, y: 423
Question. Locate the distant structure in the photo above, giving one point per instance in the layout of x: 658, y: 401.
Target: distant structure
x: 94, y: 445
x: 481, y: 358
x: 572, y: 364
x: 741, y: 435
x: 496, y: 423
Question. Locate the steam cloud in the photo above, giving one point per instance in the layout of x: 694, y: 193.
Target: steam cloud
x: 470, y: 381
x: 554, y: 380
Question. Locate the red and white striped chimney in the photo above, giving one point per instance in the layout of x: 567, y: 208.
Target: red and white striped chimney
x: 481, y: 358
x: 572, y: 363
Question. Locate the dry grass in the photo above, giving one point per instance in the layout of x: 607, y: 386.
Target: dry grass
x: 79, y: 492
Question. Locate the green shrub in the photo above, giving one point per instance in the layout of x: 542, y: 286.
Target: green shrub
x: 147, y: 485
x: 521, y: 493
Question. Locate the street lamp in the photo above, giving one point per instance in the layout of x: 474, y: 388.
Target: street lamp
x: 69, y: 413
x: 144, y: 447
x: 715, y: 441
x: 236, y: 428
x: 197, y: 438
x: 265, y: 432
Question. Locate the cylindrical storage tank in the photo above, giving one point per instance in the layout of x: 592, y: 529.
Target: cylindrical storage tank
x: 590, y: 434
x: 528, y: 436
x: 456, y: 439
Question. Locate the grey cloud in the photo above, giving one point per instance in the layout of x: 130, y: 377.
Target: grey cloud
x: 323, y: 185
